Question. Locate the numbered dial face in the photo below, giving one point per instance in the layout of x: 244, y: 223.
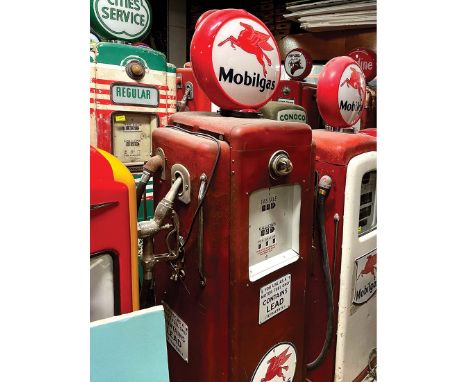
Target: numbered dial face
x: 131, y: 137
x: 274, y: 215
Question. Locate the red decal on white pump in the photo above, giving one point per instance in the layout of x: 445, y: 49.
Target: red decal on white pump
x: 365, y: 284
x: 235, y: 59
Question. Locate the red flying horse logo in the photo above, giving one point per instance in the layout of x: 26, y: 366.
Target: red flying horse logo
x: 253, y: 42
x: 275, y: 366
x: 370, y: 266
x: 354, y: 81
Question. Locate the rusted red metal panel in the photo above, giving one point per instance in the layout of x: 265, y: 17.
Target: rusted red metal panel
x: 200, y: 101
x: 226, y: 341
x: 339, y: 148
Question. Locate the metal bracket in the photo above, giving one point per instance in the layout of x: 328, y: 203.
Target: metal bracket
x: 179, y: 170
x: 201, y: 266
x: 159, y: 151
x: 189, y: 90
x: 179, y: 81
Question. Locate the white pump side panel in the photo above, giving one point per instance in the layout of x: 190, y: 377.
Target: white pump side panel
x: 356, y: 331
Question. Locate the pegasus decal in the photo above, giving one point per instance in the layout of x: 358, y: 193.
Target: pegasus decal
x: 354, y: 81
x: 275, y: 366
x: 253, y: 42
x: 370, y: 266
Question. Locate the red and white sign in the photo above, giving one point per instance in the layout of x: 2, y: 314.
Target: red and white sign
x: 235, y: 59
x: 278, y: 365
x: 298, y: 64
x: 341, y: 92
x: 367, y: 61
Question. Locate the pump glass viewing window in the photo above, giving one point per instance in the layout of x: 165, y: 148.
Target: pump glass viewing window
x: 103, y: 285
x: 368, y: 203
x: 274, y: 215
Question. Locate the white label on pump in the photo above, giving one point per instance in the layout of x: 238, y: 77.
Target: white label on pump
x: 274, y: 215
x: 291, y: 116
x: 274, y: 298
x: 134, y: 95
x: 176, y: 332
x: 287, y: 100
x: 366, y: 277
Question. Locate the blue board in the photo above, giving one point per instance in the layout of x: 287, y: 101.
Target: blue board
x: 130, y: 347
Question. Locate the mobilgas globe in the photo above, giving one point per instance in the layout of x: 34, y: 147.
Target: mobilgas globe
x: 128, y: 20
x: 246, y: 61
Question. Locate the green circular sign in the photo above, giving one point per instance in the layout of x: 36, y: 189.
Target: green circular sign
x: 128, y: 20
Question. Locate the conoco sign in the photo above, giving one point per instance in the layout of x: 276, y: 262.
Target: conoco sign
x: 341, y: 92
x: 128, y: 20
x: 235, y: 59
x: 367, y: 61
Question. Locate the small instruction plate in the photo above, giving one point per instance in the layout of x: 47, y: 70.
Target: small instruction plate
x: 176, y: 332
x: 274, y: 298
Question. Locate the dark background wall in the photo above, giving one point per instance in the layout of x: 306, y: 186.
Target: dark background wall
x: 172, y: 36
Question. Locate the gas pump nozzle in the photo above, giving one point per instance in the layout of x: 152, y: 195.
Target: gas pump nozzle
x: 149, y: 169
x: 146, y: 230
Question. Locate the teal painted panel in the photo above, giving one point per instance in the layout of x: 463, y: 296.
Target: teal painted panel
x: 130, y: 347
x: 119, y: 54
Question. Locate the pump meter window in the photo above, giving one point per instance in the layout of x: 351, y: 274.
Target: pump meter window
x: 102, y: 287
x: 131, y: 136
x: 368, y: 203
x: 274, y: 215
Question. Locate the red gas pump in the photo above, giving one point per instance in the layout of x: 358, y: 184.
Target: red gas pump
x: 113, y: 237
x: 298, y: 65
x: 190, y: 97
x: 341, y: 336
x: 239, y: 188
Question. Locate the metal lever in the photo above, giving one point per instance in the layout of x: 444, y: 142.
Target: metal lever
x: 188, y: 95
x: 201, y: 192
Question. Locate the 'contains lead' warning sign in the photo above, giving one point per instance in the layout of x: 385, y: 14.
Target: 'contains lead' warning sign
x: 274, y: 298
x: 176, y: 332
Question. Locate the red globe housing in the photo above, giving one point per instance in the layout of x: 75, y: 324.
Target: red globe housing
x: 235, y: 59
